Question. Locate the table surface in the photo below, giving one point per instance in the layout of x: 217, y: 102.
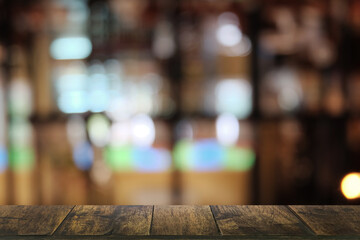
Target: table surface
x: 180, y: 222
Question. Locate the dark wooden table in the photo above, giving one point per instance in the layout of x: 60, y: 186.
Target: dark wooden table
x: 179, y: 222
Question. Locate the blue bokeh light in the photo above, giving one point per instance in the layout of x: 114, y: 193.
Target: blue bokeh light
x: 83, y: 156
x: 208, y: 155
x: 151, y: 160
x: 3, y: 159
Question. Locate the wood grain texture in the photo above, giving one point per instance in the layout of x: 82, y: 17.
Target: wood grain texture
x: 106, y: 220
x: 31, y: 220
x: 183, y: 220
x: 258, y: 220
x: 180, y: 222
x: 331, y: 220
x: 88, y: 220
x: 133, y: 220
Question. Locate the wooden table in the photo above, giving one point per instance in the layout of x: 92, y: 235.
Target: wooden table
x: 179, y: 222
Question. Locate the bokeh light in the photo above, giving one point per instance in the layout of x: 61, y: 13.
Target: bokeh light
x: 119, y: 158
x: 232, y: 42
x: 164, y: 43
x: 71, y: 85
x: 120, y: 108
x: 21, y: 158
x: 151, y: 159
x: 239, y: 159
x: 209, y: 155
x: 20, y: 132
x: 70, y: 48
x: 289, y: 99
x: 228, y: 18
x: 240, y: 50
x: 283, y: 84
x: 98, y: 88
x: 234, y: 96
x: 83, y: 156
x: 137, y: 159
x: 229, y: 35
x: 21, y: 152
x: 227, y: 129
x: 142, y: 130
x: 350, y: 186
x: 183, y: 155
x: 20, y: 98
x: 98, y: 127
x: 120, y: 133
x: 3, y: 159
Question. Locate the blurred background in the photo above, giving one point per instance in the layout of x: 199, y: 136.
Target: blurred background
x: 179, y: 102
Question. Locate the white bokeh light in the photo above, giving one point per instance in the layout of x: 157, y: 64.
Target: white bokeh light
x: 234, y: 96
x: 20, y: 97
x: 232, y: 41
x: 120, y: 108
x: 67, y: 48
x: 289, y: 99
x: 228, y: 18
x: 20, y: 132
x: 120, y: 133
x: 142, y: 130
x: 241, y: 49
x: 99, y: 130
x: 227, y: 129
x: 71, y: 84
x: 229, y: 35
x: 286, y: 83
x: 164, y: 43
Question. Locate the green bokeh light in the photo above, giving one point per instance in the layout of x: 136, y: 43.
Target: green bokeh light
x: 21, y: 158
x: 118, y: 158
x: 183, y: 155
x: 239, y: 159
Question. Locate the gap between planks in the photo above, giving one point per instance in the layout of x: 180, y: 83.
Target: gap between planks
x: 216, y: 223
x: 152, y: 219
x: 301, y: 220
x: 67, y: 215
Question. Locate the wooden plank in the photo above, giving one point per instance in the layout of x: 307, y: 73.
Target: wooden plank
x: 88, y: 220
x: 331, y: 220
x: 183, y: 220
x: 105, y: 220
x: 133, y: 220
x: 31, y: 220
x: 258, y: 220
x: 240, y: 222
